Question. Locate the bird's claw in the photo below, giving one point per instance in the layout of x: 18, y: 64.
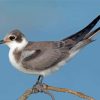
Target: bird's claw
x: 39, y: 87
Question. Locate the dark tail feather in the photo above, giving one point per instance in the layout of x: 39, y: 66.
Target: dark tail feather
x: 91, y: 34
x: 81, y: 34
x: 86, y: 40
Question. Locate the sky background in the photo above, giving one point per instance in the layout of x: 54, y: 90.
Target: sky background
x: 42, y: 20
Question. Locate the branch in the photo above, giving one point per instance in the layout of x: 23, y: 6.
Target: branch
x: 79, y: 94
x: 44, y: 88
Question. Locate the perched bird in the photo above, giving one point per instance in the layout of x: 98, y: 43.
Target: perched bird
x: 44, y: 57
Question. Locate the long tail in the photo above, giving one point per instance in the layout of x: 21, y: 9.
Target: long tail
x: 86, y: 40
x: 91, y: 34
x: 85, y: 33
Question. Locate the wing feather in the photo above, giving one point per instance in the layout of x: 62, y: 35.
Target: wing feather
x: 43, y: 58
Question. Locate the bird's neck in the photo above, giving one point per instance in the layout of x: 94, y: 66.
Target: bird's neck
x: 18, y: 45
x: 16, y: 49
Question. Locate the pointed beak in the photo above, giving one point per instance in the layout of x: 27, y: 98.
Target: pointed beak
x: 2, y: 42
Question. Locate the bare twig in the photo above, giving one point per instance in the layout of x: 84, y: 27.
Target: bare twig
x: 44, y: 88
x: 48, y: 93
x: 79, y: 94
x: 26, y: 94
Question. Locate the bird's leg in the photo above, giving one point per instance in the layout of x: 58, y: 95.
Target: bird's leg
x: 40, y: 79
x: 39, y: 86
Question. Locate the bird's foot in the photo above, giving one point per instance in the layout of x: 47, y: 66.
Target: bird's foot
x: 39, y: 85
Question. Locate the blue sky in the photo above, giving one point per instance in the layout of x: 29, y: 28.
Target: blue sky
x: 45, y: 20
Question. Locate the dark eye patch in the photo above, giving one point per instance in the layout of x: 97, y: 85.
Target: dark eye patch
x: 12, y: 38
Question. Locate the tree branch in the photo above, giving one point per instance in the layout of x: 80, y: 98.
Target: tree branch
x: 44, y: 88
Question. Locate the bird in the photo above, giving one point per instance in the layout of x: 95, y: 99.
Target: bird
x: 45, y: 57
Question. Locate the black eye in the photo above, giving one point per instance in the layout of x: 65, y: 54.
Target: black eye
x: 12, y: 38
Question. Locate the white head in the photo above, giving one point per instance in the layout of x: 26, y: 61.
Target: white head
x: 15, y: 39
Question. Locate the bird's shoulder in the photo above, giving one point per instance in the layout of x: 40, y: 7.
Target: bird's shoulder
x: 40, y: 45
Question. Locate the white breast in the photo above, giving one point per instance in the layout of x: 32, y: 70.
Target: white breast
x: 13, y: 61
x: 18, y: 65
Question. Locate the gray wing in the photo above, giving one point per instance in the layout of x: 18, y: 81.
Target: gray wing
x: 43, y: 57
